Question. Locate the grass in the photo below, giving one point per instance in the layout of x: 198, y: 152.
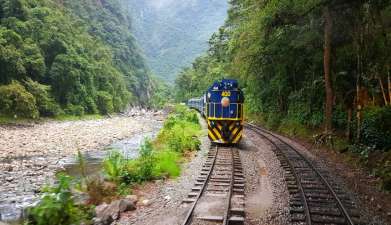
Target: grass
x: 9, y: 120
x: 65, y: 117
x: 167, y: 164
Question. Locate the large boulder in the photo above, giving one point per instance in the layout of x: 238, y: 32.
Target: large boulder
x: 105, y: 214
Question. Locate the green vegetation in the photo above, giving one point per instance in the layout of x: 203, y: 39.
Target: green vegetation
x: 159, y: 158
x: 58, y: 207
x: 162, y: 94
x: 14, y: 98
x: 180, y: 131
x: 73, y: 57
x: 73, y: 117
x: 306, y: 66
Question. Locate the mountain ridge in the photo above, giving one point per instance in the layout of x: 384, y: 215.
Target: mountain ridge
x: 173, y: 33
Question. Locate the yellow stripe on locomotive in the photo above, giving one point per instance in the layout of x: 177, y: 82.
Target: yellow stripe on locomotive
x: 225, y: 131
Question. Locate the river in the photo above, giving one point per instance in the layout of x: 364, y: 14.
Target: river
x: 27, y: 163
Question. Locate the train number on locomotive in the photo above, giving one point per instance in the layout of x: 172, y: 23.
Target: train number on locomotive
x: 225, y: 93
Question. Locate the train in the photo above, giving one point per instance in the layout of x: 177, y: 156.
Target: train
x: 222, y: 106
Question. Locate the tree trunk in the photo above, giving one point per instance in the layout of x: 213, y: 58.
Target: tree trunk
x: 326, y: 67
x: 358, y: 98
x: 382, y: 90
x: 349, y: 124
x: 389, y: 84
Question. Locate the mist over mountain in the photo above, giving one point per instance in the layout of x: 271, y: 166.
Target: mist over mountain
x: 173, y: 33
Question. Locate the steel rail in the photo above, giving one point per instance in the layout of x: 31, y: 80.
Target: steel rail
x: 190, y: 213
x: 228, y: 207
x: 322, y: 178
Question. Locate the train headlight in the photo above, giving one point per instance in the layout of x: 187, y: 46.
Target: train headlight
x: 225, y: 102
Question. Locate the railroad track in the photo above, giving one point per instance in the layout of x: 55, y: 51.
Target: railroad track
x: 313, y: 198
x: 218, y: 194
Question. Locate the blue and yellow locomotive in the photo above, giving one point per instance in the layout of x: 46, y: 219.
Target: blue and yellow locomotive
x: 222, y: 106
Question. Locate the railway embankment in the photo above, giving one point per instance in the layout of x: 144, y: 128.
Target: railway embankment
x: 352, y: 172
x: 356, y: 184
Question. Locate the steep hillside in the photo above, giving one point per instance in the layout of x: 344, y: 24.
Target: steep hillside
x: 68, y: 55
x: 110, y: 22
x: 173, y: 33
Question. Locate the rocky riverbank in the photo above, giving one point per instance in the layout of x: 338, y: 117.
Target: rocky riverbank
x: 31, y: 154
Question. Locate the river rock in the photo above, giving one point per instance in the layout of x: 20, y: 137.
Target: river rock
x: 132, y: 198
x: 106, y: 214
x: 167, y: 198
x: 146, y: 202
x: 101, y: 216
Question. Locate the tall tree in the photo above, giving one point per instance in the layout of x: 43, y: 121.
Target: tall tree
x: 328, y: 29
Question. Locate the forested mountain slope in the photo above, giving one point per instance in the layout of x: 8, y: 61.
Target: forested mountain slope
x: 307, y: 65
x: 71, y: 55
x: 172, y: 33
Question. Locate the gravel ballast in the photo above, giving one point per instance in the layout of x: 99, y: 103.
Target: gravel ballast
x: 266, y: 193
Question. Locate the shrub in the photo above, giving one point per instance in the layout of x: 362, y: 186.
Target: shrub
x: 179, y: 135
x: 46, y: 104
x: 104, y: 101
x: 180, y: 131
x: 114, y: 165
x: 385, y: 174
x: 160, y: 158
x: 147, y: 160
x: 183, y: 137
x: 57, y: 206
x: 16, y: 100
x: 100, y: 191
x: 375, y: 128
x: 293, y: 127
x: 76, y: 110
x: 273, y: 120
x: 141, y: 169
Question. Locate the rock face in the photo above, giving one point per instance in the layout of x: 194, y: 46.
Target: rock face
x: 107, y: 213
